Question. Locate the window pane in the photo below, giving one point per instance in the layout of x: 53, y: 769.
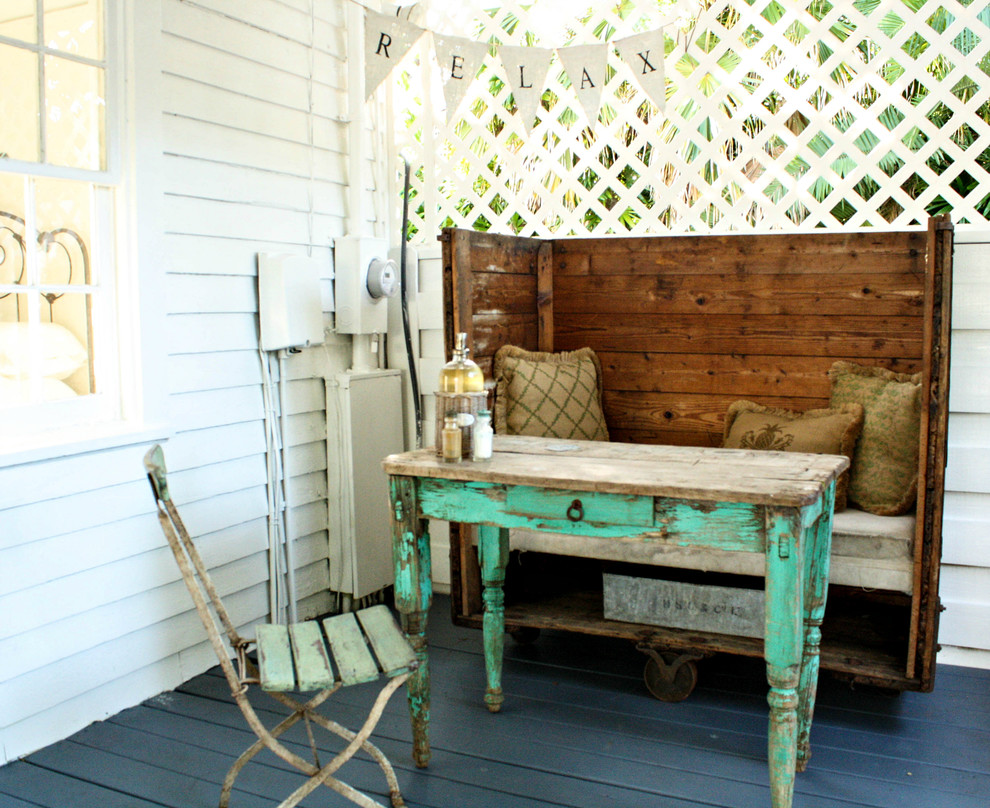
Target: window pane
x: 75, y: 28
x: 63, y: 211
x: 74, y: 105
x: 12, y: 254
x: 18, y: 20
x: 39, y: 361
x: 20, y: 136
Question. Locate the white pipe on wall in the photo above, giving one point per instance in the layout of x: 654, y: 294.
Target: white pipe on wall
x: 283, y: 414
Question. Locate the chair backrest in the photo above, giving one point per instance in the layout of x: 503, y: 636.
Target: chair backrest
x: 194, y: 573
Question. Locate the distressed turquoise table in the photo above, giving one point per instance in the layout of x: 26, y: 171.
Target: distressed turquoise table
x: 774, y: 503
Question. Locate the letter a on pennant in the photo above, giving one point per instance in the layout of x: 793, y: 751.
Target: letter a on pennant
x: 526, y: 69
x: 460, y: 60
x: 386, y: 40
x: 585, y: 67
x: 644, y: 55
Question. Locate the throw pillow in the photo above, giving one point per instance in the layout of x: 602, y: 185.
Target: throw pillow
x: 550, y: 395
x: 884, y: 474
x: 827, y: 431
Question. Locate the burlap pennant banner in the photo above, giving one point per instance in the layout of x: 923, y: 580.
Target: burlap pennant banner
x: 644, y: 55
x: 526, y: 69
x: 585, y: 67
x: 460, y: 60
x: 388, y: 38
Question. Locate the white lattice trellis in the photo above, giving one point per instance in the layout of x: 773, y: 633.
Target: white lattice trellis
x: 780, y: 114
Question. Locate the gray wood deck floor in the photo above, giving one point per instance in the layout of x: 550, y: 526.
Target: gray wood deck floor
x: 578, y: 729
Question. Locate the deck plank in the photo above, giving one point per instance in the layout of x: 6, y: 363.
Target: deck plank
x: 578, y: 729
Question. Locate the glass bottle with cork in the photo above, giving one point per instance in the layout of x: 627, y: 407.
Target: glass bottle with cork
x: 461, y: 374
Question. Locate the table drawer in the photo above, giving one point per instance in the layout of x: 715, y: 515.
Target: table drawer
x: 580, y: 506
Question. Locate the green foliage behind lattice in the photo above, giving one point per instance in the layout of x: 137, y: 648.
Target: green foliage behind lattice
x: 787, y: 114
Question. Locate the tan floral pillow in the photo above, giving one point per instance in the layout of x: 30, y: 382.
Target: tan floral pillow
x: 550, y: 395
x: 884, y: 475
x: 827, y: 431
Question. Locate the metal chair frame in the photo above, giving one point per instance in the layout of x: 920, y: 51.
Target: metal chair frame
x: 246, y: 673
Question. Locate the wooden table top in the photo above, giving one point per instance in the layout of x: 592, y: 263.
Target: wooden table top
x: 789, y: 479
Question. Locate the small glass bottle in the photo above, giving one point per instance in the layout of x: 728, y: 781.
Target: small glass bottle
x: 461, y: 374
x: 481, y: 439
x: 451, y: 439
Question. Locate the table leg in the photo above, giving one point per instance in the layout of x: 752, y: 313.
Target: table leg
x: 783, y: 648
x: 818, y: 540
x: 493, y: 555
x: 413, y: 597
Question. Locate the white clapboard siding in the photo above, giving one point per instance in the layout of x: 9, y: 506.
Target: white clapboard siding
x: 36, y: 521
x: 291, y: 21
x: 192, y: 254
x: 250, y: 185
x: 80, y: 591
x: 84, y: 671
x: 203, y: 333
x: 51, y: 479
x: 197, y: 23
x: 253, y: 133
x: 201, y: 447
x: 117, y: 693
x: 238, y: 74
x: 965, y: 578
x: 107, y: 622
x: 222, y: 294
x: 964, y: 542
x: 216, y: 407
x: 209, y: 371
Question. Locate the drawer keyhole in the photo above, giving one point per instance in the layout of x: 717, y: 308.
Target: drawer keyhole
x: 576, y: 512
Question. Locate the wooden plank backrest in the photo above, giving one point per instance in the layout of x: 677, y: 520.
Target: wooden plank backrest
x: 684, y: 326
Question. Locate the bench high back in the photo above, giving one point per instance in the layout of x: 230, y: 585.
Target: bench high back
x: 685, y: 325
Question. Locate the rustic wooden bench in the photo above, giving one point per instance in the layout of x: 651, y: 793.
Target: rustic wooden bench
x: 684, y: 326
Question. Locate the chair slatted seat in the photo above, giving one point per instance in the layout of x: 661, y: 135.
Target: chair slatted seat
x: 310, y: 657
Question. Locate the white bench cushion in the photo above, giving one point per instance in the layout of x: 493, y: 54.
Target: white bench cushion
x: 868, y: 551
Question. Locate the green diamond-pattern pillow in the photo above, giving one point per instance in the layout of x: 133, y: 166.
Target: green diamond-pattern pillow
x: 550, y: 395
x: 883, y: 478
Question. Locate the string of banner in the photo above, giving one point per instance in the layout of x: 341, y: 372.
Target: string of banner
x: 389, y: 38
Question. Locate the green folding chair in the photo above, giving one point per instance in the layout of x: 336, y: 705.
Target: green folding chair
x: 323, y: 656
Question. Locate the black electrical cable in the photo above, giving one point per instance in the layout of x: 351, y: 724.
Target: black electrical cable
x: 413, y: 379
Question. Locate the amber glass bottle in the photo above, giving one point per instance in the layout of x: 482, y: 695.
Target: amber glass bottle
x: 461, y: 374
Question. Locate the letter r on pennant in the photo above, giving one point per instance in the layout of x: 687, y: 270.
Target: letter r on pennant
x: 384, y: 40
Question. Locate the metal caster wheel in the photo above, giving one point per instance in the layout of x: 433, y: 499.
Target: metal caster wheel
x: 524, y: 635
x: 670, y: 677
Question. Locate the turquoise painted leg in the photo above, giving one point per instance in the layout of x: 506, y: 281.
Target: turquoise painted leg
x: 493, y: 555
x: 783, y: 648
x: 413, y: 596
x: 817, y: 553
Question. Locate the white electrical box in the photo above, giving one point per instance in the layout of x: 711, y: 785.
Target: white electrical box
x: 362, y: 304
x: 289, y: 308
x: 364, y: 424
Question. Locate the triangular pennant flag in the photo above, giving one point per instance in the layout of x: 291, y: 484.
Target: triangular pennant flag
x: 585, y: 66
x: 644, y: 55
x: 386, y: 40
x: 526, y: 69
x: 460, y: 60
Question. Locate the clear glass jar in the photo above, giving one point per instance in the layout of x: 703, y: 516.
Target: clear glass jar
x: 461, y: 374
x: 481, y: 438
